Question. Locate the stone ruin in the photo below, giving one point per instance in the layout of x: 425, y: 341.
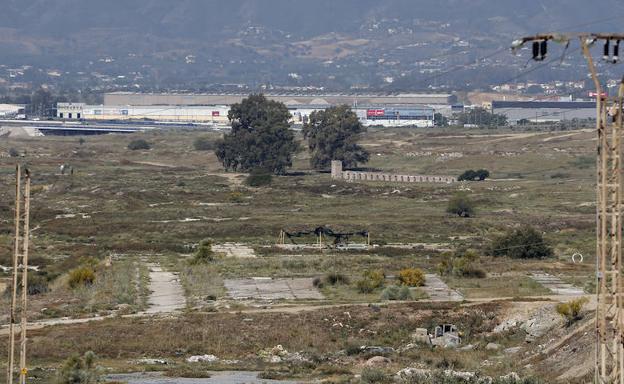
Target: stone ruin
x: 338, y: 173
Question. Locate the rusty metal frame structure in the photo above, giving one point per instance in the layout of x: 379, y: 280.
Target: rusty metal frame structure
x: 20, y: 263
x: 609, y: 352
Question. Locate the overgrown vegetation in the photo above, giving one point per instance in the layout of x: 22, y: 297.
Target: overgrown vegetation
x: 370, y: 281
x: 395, y: 292
x: 138, y: 145
x: 259, y: 178
x: 81, y: 276
x: 204, y: 144
x: 80, y: 370
x: 521, y: 243
x: 411, y: 277
x: 472, y: 175
x: 461, y: 205
x: 461, y: 264
x: 203, y: 254
x: 572, y: 310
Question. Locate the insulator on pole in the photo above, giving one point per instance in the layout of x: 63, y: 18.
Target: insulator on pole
x: 616, y: 52
x: 543, y: 49
x: 606, y: 51
x: 536, y: 50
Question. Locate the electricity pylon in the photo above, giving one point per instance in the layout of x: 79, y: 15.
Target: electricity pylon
x: 609, y: 358
x: 20, y: 262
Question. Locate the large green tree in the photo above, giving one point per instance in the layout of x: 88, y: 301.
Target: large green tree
x: 332, y: 134
x: 260, y: 138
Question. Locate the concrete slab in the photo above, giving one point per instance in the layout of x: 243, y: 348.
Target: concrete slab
x: 166, y: 294
x: 236, y: 250
x: 439, y: 291
x: 272, y: 289
x: 556, y: 285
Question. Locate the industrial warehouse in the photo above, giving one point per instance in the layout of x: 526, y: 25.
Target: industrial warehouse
x: 387, y: 111
x: 544, y: 111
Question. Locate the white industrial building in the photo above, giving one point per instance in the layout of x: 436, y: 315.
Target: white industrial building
x: 184, y: 114
x: 401, y: 115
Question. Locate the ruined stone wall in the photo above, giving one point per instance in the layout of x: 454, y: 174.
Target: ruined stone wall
x: 339, y: 174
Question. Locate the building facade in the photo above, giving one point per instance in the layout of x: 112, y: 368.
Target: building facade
x: 544, y: 111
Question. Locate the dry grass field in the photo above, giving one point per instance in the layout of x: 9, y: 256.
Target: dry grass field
x: 154, y: 206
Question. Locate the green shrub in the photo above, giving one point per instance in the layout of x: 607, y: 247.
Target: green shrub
x: 571, y: 311
x: 259, y: 178
x: 471, y: 175
x: 412, y: 277
x: 79, y: 370
x: 204, y: 144
x: 395, y: 292
x: 37, y: 284
x: 370, y: 281
x: 203, y: 253
x: 139, y: 144
x: 375, y: 376
x: 461, y: 206
x: 13, y: 152
x: 521, y: 243
x: 82, y: 276
x: 336, y: 278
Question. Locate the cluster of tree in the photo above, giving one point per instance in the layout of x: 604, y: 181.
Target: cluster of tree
x: 472, y: 175
x: 261, y: 138
x: 521, y: 243
x: 481, y: 117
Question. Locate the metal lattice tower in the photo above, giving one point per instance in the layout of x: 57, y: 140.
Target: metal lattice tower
x: 20, y: 263
x: 609, y: 359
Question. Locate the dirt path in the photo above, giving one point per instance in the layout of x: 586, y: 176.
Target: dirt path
x: 166, y: 295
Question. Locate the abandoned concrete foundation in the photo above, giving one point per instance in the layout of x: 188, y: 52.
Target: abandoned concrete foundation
x: 339, y: 174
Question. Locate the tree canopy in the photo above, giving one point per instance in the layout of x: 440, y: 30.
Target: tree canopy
x: 332, y: 134
x: 481, y: 117
x: 521, y: 243
x: 260, y: 137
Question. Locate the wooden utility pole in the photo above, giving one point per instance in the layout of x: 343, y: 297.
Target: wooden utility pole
x: 609, y: 357
x: 20, y: 262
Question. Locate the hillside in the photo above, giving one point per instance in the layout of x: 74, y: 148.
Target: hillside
x: 341, y: 44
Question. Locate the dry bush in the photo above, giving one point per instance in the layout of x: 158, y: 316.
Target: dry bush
x: 412, y: 277
x: 370, y: 281
x: 571, y: 311
x: 81, y: 276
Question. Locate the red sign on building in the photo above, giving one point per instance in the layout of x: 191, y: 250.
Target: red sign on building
x: 375, y: 112
x: 215, y: 113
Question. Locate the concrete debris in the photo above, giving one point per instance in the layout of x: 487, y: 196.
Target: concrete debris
x: 203, y: 359
x: 373, y: 350
x: 542, y: 322
x: 148, y: 361
x: 446, y: 336
x: 236, y: 250
x: 421, y: 336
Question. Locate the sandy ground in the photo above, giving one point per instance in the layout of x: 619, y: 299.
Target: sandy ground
x: 166, y: 294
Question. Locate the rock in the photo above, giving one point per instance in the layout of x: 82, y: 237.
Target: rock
x: 377, y: 350
x: 513, y: 350
x: 512, y: 377
x: 542, y: 322
x: 377, y: 361
x: 147, y: 361
x: 506, y: 326
x: 468, y: 347
x: 203, y: 359
x: 492, y: 347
